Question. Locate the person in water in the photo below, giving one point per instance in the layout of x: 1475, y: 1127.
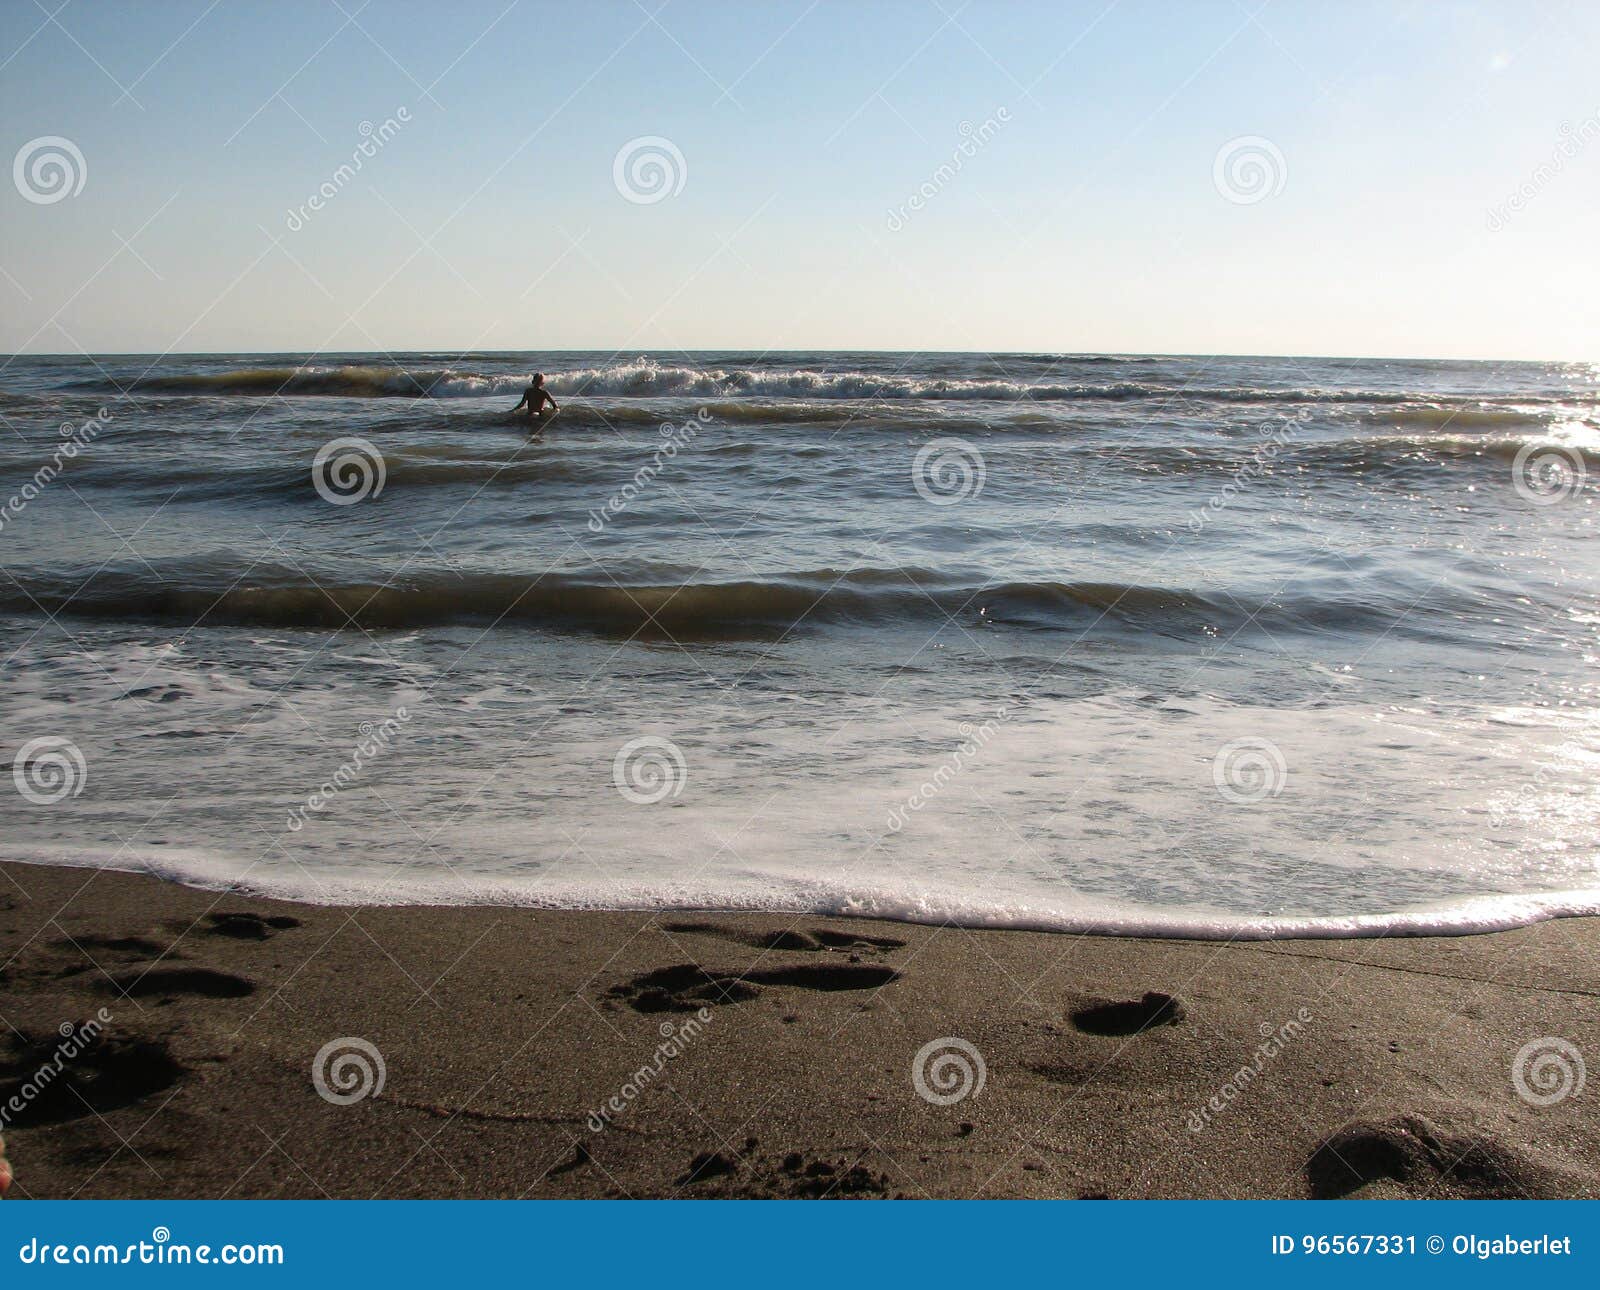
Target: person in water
x: 535, y: 397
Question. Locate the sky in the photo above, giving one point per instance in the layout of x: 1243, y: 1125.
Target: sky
x: 1393, y: 179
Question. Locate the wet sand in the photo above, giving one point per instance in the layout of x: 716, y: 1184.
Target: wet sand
x: 756, y: 1055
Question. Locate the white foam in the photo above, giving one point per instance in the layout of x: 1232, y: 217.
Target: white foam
x: 764, y: 894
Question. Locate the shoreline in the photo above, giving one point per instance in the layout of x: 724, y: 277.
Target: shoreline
x: 1465, y: 916
x: 767, y: 1055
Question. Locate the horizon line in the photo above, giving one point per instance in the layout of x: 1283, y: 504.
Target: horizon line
x: 647, y: 352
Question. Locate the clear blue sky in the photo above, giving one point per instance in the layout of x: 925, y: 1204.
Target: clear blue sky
x: 1090, y: 220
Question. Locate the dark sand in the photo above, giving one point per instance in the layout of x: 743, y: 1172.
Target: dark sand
x: 502, y: 1030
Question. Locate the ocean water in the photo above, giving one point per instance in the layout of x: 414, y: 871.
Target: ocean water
x: 1196, y: 646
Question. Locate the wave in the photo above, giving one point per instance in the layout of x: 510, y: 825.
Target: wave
x: 370, y: 382
x: 19, y: 399
x: 1472, y: 416
x: 465, y: 458
x: 285, y: 597
x: 647, y: 379
x: 1389, y: 450
x: 1370, y: 454
x: 909, y: 901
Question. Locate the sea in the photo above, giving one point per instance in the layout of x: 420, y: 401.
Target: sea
x: 1187, y: 646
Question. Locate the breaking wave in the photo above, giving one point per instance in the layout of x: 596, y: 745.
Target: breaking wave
x: 660, y: 380
x: 910, y: 901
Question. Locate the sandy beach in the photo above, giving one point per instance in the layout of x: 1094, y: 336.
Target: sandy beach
x: 756, y: 1056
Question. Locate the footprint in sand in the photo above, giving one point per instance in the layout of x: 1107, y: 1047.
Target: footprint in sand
x: 249, y: 927
x: 855, y: 940
x: 1130, y: 1016
x: 139, y: 946
x: 92, y: 953
x: 747, y: 1174
x: 172, y: 981
x: 1419, y: 1158
x: 819, y: 938
x: 111, y: 1072
x: 686, y: 987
